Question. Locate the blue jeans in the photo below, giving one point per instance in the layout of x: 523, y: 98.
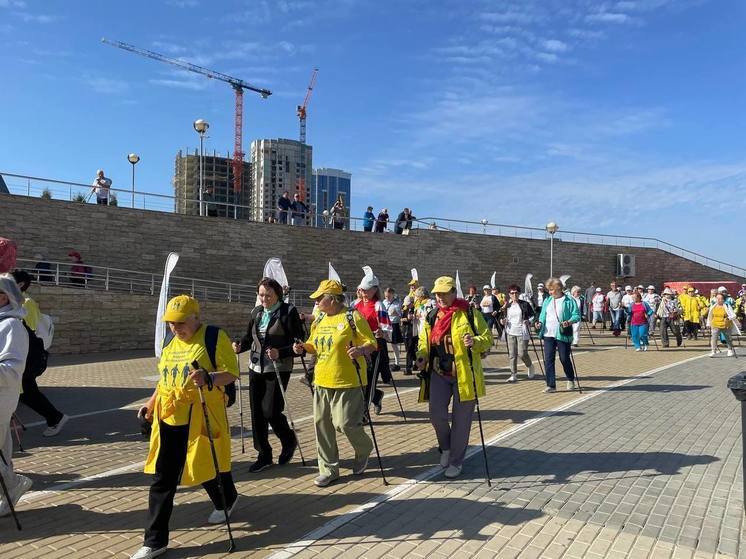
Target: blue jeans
x: 616, y: 318
x: 551, y: 346
x: 639, y: 334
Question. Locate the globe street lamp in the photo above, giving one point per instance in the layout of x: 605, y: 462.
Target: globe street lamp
x: 484, y: 223
x: 325, y: 213
x: 133, y: 158
x: 201, y: 126
x: 551, y: 228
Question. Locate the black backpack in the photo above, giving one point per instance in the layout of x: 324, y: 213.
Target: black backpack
x: 211, y: 345
x: 36, y: 360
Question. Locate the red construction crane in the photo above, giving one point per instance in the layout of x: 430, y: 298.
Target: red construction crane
x: 302, y: 108
x: 237, y: 85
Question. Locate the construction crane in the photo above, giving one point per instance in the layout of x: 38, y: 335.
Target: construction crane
x: 237, y: 85
x: 302, y: 108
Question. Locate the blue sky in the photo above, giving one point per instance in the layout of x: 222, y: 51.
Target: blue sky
x: 624, y: 117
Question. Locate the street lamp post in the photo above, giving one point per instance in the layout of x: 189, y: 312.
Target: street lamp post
x: 551, y: 228
x: 325, y: 213
x: 484, y: 226
x: 201, y: 126
x: 133, y: 158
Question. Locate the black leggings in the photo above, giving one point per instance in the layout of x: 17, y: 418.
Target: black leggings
x: 33, y: 398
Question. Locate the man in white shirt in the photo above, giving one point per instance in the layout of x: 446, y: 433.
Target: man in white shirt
x: 101, y: 186
x: 614, y: 300
x: 627, y: 300
x: 652, y: 299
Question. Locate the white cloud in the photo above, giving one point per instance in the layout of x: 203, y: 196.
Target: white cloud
x: 182, y: 3
x: 555, y: 45
x: 107, y: 86
x: 37, y: 18
x: 168, y: 48
x: 20, y: 4
x: 608, y: 17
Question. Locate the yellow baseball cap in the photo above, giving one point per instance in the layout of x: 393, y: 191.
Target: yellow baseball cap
x: 413, y: 282
x: 444, y: 284
x: 327, y: 287
x: 180, y: 308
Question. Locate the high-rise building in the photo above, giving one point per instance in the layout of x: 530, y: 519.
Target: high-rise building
x: 327, y: 186
x: 218, y: 196
x: 278, y: 166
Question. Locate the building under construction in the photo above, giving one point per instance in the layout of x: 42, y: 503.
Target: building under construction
x: 218, y: 197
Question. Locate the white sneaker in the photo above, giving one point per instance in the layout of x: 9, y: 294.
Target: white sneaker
x: 23, y: 484
x: 453, y: 471
x: 322, y: 480
x: 550, y: 390
x: 571, y: 385
x: 445, y: 456
x: 712, y: 354
x: 644, y: 348
x: 146, y: 552
x: 55, y: 429
x: 511, y: 378
x: 731, y: 353
x: 531, y: 371
x: 637, y: 349
x: 218, y: 516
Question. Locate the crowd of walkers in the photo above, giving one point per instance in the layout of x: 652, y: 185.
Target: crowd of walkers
x: 348, y: 348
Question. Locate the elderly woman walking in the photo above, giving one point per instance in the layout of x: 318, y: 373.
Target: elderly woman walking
x: 340, y: 339
x: 14, y: 345
x: 518, y: 317
x: 639, y: 313
x: 558, y: 313
x: 452, y: 340
x: 273, y: 328
x: 721, y: 318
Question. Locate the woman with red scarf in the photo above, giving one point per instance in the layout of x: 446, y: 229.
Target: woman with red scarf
x: 369, y: 305
x: 449, y: 335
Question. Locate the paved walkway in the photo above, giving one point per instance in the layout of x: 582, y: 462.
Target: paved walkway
x: 90, y: 496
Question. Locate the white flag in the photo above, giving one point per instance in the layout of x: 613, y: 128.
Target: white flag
x: 459, y: 292
x: 415, y: 277
x: 160, y: 326
x: 273, y: 269
x: 333, y: 275
x: 492, y: 280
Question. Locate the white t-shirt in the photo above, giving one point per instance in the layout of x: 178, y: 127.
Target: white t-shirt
x: 102, y: 186
x: 486, y: 304
x: 552, y: 317
x: 598, y: 302
x: 627, y: 300
x: 515, y: 320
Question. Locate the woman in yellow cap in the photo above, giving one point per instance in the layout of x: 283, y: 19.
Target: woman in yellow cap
x: 338, y: 337
x: 179, y: 446
x: 449, y: 333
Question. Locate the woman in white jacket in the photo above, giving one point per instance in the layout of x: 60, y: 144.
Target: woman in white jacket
x: 13, y: 350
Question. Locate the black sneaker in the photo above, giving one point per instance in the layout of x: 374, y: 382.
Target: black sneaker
x: 395, y: 368
x: 408, y: 372
x: 262, y: 463
x: 287, y: 452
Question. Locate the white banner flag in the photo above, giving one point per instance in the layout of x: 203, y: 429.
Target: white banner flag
x: 160, y: 326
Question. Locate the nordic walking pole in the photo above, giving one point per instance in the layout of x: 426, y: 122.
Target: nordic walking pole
x: 575, y: 370
x: 7, y: 496
x: 287, y: 409
x: 589, y: 333
x: 396, y: 391
x: 221, y: 489
x: 240, y: 404
x: 539, y: 359
x: 366, y: 412
x: 479, y: 416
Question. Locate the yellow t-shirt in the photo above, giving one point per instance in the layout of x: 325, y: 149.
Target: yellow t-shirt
x: 174, y: 367
x: 32, y: 313
x: 330, y: 339
x: 719, y: 317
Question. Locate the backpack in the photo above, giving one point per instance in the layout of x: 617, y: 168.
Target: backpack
x: 37, y: 357
x: 45, y: 330
x: 211, y: 345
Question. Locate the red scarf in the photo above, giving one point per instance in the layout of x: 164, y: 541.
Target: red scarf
x: 443, y: 320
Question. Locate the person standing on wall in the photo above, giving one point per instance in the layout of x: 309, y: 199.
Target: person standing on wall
x: 299, y: 210
x: 382, y: 221
x: 273, y: 328
x: 368, y: 219
x: 101, y: 186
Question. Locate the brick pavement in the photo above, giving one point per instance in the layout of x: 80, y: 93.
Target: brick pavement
x: 83, y: 515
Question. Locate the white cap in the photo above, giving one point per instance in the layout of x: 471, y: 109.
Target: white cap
x: 640, y: 286
x: 628, y: 288
x: 651, y: 287
x: 667, y: 291
x: 368, y: 282
x: 540, y: 285
x: 486, y: 287
x: 598, y: 290
x: 722, y: 289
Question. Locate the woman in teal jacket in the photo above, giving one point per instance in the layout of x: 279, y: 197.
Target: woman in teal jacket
x: 559, y: 312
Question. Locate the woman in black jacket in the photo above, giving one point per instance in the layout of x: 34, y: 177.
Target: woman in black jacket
x: 273, y: 328
x: 518, y: 316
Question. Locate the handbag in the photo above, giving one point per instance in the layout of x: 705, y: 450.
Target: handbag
x: 565, y: 331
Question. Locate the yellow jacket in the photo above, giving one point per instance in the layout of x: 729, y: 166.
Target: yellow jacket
x: 482, y: 342
x: 690, y: 307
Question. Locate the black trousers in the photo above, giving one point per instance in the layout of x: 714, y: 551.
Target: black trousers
x: 411, y: 343
x: 33, y: 398
x: 380, y: 356
x: 266, y: 409
x: 168, y: 468
x: 673, y: 325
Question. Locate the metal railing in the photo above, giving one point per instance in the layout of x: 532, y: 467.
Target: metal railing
x: 34, y: 187
x: 85, y: 276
